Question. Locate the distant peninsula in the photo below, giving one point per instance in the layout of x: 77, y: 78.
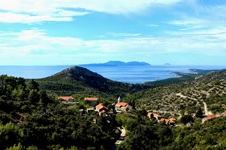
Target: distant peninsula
x: 118, y: 63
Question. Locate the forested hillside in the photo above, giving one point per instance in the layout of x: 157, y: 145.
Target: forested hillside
x: 31, y: 119
x: 189, y: 96
x: 78, y: 80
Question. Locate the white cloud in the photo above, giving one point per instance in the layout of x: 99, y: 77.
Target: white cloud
x: 37, y: 45
x: 123, y: 34
x: 31, y: 11
x: 153, y: 25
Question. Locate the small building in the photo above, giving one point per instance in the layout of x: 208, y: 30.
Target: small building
x: 101, y: 107
x: 162, y: 120
x: 122, y: 106
x: 218, y: 115
x: 208, y: 118
x: 157, y: 116
x: 103, y: 113
x: 172, y: 121
x: 93, y: 101
x: 66, y: 98
x: 150, y: 114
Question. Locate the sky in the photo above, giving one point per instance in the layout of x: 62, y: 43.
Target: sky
x: 71, y: 32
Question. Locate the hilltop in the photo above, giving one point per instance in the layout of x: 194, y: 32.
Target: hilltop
x: 79, y: 80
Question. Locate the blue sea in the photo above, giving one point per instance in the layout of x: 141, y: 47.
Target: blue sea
x: 129, y: 74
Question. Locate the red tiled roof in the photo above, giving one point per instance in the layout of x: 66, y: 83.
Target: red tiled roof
x: 172, y: 119
x: 65, y: 98
x: 210, y: 117
x: 157, y: 115
x: 162, y: 120
x: 91, y: 99
x: 218, y: 115
x: 167, y: 120
x: 121, y: 104
x: 149, y: 114
x: 100, y: 106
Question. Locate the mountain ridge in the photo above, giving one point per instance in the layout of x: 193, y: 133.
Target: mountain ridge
x: 118, y: 63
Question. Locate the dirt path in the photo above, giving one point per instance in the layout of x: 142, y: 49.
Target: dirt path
x: 205, y: 109
x: 183, y: 96
x: 122, y: 136
x: 207, y: 113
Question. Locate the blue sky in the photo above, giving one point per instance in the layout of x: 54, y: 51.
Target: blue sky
x: 70, y: 32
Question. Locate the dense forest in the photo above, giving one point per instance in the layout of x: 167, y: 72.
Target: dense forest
x: 32, y: 117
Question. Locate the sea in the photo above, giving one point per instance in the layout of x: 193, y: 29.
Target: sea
x: 129, y: 74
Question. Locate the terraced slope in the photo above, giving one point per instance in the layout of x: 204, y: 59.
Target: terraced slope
x: 173, y: 99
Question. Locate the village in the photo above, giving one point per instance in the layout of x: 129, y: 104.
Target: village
x: 120, y: 107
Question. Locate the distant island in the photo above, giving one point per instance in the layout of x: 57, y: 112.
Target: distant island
x: 118, y: 63
x: 167, y: 64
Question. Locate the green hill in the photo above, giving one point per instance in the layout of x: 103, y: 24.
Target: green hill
x: 78, y: 80
x: 186, y: 96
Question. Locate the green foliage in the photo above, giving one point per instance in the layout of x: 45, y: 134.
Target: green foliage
x: 199, y: 113
x: 32, y: 85
x: 16, y: 147
x: 186, y: 119
x: 10, y: 134
x: 33, y: 116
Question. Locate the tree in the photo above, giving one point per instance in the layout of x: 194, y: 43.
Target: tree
x: 33, y: 96
x: 186, y: 119
x: 33, y: 85
x: 199, y: 113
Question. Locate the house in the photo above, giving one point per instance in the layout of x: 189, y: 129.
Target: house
x: 66, y: 98
x: 150, y: 114
x: 103, y: 113
x: 157, y: 116
x: 101, y: 107
x: 218, y: 115
x: 122, y: 106
x: 93, y: 101
x: 208, y: 118
x: 162, y: 120
x: 172, y: 121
